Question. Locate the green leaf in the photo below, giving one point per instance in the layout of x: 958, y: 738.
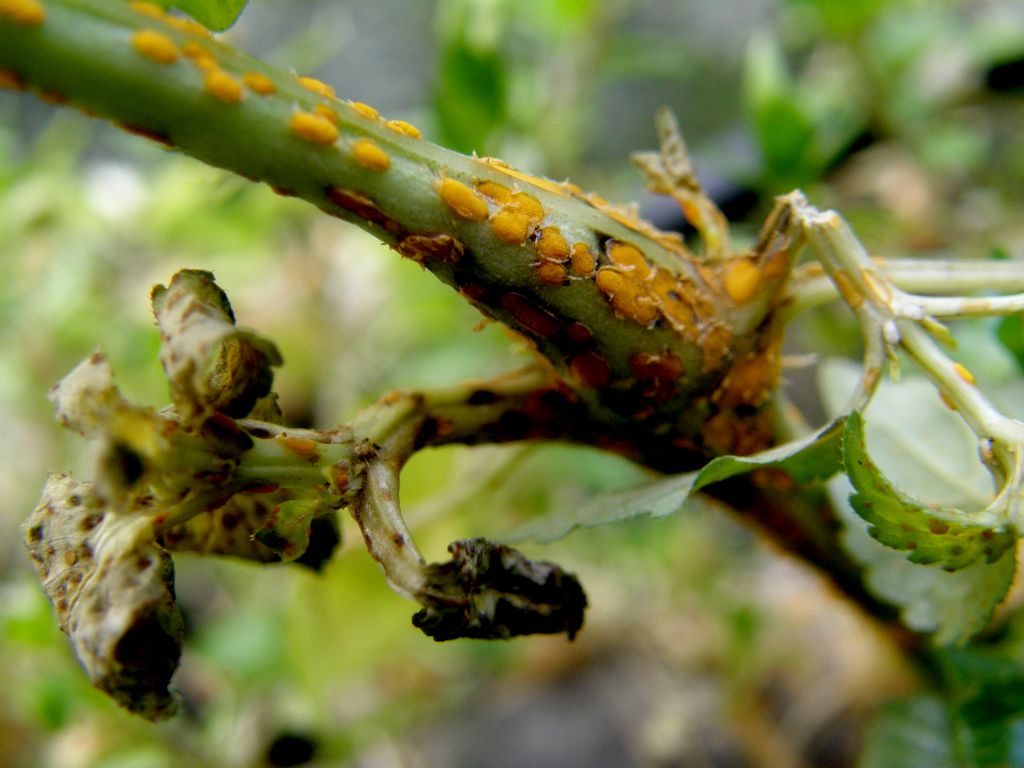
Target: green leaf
x: 932, y: 534
x: 1010, y: 333
x: 954, y: 606
x: 782, y: 126
x: 217, y: 15
x: 925, y: 447
x: 814, y: 457
x: 910, y: 734
x: 979, y: 722
x: 472, y: 90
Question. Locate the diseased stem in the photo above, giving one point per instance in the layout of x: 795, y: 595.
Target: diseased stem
x: 616, y: 306
x: 811, y: 288
x: 385, y: 532
x: 891, y: 318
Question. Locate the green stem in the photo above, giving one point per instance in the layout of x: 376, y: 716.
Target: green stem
x: 593, y: 317
x: 810, y: 288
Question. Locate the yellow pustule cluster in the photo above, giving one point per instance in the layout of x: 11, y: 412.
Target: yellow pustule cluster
x: 370, y: 113
x: 551, y: 245
x: 751, y: 381
x: 222, y: 86
x: 466, y: 203
x: 551, y: 272
x: 201, y: 58
x: 259, y: 84
x: 313, y: 128
x: 369, y: 155
x: 518, y: 215
x: 155, y: 46
x: 582, y: 260
x: 327, y: 111
x: 152, y: 10
x: 404, y: 128
x: 28, y: 13
x: 187, y: 25
x: 963, y: 373
x: 512, y: 227
x: 644, y: 293
x: 317, y: 87
x: 627, y: 297
x: 741, y: 280
x: 554, y: 253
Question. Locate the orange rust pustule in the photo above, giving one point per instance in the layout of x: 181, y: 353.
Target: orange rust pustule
x: 715, y: 341
x: 741, y: 280
x: 750, y: 381
x: 369, y: 155
x: 438, y: 248
x: 313, y: 128
x: 200, y: 56
x: 365, y: 110
x: 152, y: 10
x: 316, y: 86
x: 728, y: 432
x: 551, y: 273
x: 628, y: 258
x: 301, y: 446
x: 223, y: 87
x: 259, y: 84
x: 627, y: 297
x: 510, y: 226
x: 465, y: 202
x: 495, y: 191
x: 363, y: 207
x: 187, y: 25
x: 582, y: 260
x: 551, y: 245
x: 403, y: 128
x: 327, y: 113
x: 155, y: 46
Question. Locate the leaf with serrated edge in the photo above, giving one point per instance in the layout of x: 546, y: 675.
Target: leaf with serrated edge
x: 953, y: 605
x: 933, y: 534
x: 814, y: 457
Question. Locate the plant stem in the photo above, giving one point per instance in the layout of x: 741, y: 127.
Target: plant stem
x: 811, y: 288
x: 599, y: 292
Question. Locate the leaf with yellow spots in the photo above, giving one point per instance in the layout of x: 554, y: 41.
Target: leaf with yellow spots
x: 932, y: 534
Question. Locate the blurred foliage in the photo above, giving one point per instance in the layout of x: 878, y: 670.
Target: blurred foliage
x: 701, y: 648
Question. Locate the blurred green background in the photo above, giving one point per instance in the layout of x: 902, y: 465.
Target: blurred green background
x: 702, y: 647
